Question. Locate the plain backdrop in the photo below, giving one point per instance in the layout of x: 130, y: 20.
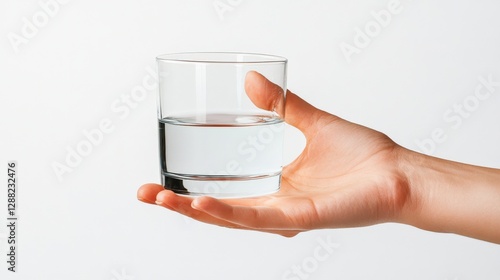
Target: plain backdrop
x: 77, y: 62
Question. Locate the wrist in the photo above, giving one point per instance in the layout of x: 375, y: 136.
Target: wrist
x: 410, y: 173
x: 451, y: 197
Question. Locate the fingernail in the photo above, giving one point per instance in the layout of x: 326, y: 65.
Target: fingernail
x: 196, y: 203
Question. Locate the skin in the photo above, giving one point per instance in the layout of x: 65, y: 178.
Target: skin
x: 349, y: 175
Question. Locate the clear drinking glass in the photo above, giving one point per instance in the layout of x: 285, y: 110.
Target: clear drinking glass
x: 213, y: 139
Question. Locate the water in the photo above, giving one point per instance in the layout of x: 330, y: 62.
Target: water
x: 221, y: 155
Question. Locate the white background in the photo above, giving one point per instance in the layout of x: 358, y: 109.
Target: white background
x: 88, y: 55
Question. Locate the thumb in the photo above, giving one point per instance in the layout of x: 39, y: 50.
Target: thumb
x: 269, y: 96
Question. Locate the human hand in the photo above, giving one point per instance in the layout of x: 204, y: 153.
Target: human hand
x: 346, y: 176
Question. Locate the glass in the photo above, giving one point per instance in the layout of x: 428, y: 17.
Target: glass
x: 213, y: 139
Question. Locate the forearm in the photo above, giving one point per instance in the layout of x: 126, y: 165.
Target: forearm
x: 447, y: 196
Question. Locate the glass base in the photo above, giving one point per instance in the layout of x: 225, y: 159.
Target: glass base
x: 221, y: 186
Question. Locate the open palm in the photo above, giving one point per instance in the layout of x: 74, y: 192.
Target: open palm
x: 345, y: 177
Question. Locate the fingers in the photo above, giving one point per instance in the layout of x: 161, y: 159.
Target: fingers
x: 147, y: 193
x: 269, y: 96
x: 256, y: 217
x: 156, y: 194
x: 185, y: 206
x: 182, y: 205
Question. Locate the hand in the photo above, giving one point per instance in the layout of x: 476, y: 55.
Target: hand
x: 346, y: 176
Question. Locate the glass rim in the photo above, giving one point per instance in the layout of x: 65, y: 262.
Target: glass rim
x: 216, y: 57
